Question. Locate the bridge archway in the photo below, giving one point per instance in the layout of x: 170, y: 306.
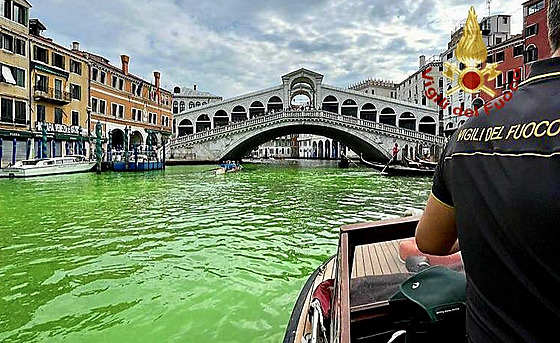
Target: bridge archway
x: 185, y: 128
x: 407, y: 120
x: 221, y: 118
x: 359, y: 143
x: 274, y: 104
x: 427, y: 125
x: 368, y: 112
x: 328, y: 152
x: 349, y: 108
x: 203, y: 123
x: 256, y: 110
x: 330, y: 104
x: 238, y: 114
x: 388, y: 116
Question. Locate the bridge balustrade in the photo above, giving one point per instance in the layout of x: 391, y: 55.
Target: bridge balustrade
x: 310, y: 114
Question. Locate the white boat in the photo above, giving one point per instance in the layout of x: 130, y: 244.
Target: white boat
x: 48, y: 166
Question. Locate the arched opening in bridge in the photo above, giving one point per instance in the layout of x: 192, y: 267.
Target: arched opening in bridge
x: 427, y: 125
x: 117, y: 139
x: 238, y: 114
x: 330, y: 104
x: 328, y: 149
x: 182, y: 106
x: 320, y: 150
x: 197, y: 104
x: 302, y: 86
x: 256, y: 110
x: 221, y: 118
x: 314, y: 150
x: 368, y: 112
x: 185, y: 128
x: 274, y: 104
x: 349, y: 108
x: 136, y: 139
x: 388, y: 116
x: 191, y: 105
x: 203, y: 123
x: 300, y: 101
x: 407, y: 120
x: 175, y: 107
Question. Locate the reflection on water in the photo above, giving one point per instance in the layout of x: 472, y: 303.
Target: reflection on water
x: 176, y: 256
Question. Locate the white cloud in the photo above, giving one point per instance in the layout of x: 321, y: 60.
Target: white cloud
x: 233, y: 47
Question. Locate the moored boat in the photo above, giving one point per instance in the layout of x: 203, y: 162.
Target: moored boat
x: 48, y: 166
x: 138, y: 163
x: 399, y: 170
x: 366, y: 294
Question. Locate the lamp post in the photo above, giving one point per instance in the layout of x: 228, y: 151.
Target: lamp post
x: 126, y: 129
x: 98, y: 147
x: 80, y: 142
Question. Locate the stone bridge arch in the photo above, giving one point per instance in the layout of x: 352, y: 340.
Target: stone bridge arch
x: 359, y: 142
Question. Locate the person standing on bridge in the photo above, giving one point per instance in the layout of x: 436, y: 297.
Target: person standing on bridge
x: 500, y: 197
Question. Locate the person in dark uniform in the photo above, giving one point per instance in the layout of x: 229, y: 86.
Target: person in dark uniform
x: 497, y: 189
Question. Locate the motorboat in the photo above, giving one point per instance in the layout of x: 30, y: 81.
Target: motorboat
x: 48, y: 166
x: 366, y: 293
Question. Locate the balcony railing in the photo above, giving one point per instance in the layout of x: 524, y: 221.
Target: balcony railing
x: 52, y: 95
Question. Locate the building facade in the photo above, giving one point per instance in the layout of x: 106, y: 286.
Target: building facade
x: 15, y: 122
x: 59, y: 78
x: 134, y: 113
x: 376, y: 87
x: 535, y: 32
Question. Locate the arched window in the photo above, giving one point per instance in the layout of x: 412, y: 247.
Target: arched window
x: 388, y: 116
x: 175, y: 107
x: 256, y: 110
x: 185, y: 128
x: 349, y: 108
x: 182, y: 106
x: 427, y: 125
x: 191, y: 104
x: 477, y: 103
x: 221, y: 118
x: 368, y: 112
x: 198, y: 104
x: 330, y: 104
x: 274, y: 104
x: 203, y: 123
x: 407, y: 120
x: 238, y: 114
x: 531, y: 54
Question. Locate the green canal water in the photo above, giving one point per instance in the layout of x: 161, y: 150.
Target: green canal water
x: 176, y: 256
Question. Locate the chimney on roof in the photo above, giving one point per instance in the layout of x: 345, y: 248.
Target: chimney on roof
x: 422, y: 61
x: 125, y: 60
x: 76, y: 46
x: 194, y: 87
x: 157, y: 76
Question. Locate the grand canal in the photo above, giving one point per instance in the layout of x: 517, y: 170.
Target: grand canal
x: 179, y: 255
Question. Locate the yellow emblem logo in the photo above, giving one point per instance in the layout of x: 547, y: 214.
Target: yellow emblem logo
x: 471, y: 51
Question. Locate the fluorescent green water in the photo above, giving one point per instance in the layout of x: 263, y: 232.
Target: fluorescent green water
x: 176, y: 256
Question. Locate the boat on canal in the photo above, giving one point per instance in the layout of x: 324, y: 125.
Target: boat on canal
x: 376, y: 289
x: 48, y: 166
x: 399, y: 170
x: 138, y: 162
x: 228, y: 167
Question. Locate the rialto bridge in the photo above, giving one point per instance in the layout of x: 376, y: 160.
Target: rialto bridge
x: 366, y: 123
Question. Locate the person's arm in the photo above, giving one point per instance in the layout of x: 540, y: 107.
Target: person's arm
x: 436, y: 233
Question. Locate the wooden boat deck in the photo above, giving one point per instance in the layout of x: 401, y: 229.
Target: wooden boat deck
x: 377, y: 259
x: 371, y: 259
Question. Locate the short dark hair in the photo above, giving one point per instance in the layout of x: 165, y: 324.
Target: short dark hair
x: 554, y: 24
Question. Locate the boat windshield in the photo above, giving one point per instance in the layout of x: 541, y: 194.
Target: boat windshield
x: 29, y: 163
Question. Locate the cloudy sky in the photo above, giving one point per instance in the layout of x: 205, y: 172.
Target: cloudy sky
x: 230, y: 47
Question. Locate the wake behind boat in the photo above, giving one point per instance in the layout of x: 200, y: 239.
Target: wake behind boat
x: 48, y: 166
x: 400, y: 170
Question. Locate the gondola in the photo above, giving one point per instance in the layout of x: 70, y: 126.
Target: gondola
x: 420, y: 163
x: 399, y: 170
x: 366, y: 293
